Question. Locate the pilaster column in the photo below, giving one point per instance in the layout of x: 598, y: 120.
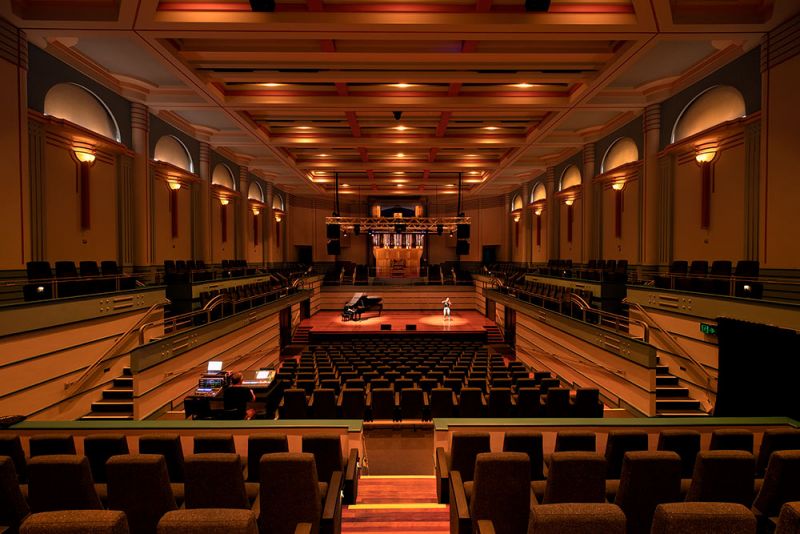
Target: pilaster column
x: 525, y: 225
x: 553, y: 215
x: 269, y: 226
x: 649, y: 188
x: 752, y: 162
x: 242, y: 226
x: 201, y: 197
x: 142, y: 187
x: 589, y: 239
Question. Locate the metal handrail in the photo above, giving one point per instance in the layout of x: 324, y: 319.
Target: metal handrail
x: 210, y: 306
x: 616, y: 318
x: 71, y: 387
x: 680, y: 350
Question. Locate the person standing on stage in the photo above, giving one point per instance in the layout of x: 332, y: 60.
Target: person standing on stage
x: 446, y: 309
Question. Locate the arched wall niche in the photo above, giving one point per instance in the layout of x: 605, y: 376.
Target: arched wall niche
x: 255, y: 192
x: 170, y: 149
x: 570, y: 177
x: 713, y: 106
x: 539, y: 192
x: 621, y: 151
x: 516, y: 203
x: 223, y: 176
x: 79, y: 105
x: 277, y: 201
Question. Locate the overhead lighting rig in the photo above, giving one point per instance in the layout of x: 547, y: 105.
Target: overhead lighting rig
x: 389, y: 225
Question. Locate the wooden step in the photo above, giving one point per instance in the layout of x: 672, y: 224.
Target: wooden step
x: 681, y: 413
x: 118, y: 394
x: 662, y: 370
x: 667, y: 380
x: 677, y: 404
x: 671, y: 392
x: 118, y: 406
x: 107, y: 416
x: 125, y: 382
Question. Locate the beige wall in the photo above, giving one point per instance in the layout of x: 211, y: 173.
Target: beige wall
x: 571, y: 250
x: 219, y: 250
x: 167, y: 247
x: 625, y: 247
x: 13, y: 185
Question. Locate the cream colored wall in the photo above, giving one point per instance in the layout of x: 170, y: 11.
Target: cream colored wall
x: 540, y: 251
x: 571, y: 250
x: 167, y: 248
x: 13, y: 189
x: 625, y: 247
x: 64, y: 238
x: 724, y: 239
x: 780, y: 183
x: 219, y: 250
x: 255, y: 247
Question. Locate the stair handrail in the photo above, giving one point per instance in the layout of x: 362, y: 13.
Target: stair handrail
x: 72, y: 387
x: 617, y: 319
x: 210, y: 306
x: 680, y: 350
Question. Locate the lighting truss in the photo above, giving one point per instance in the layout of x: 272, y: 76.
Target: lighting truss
x: 388, y: 225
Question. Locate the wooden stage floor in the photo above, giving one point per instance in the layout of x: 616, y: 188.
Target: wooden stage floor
x: 462, y: 322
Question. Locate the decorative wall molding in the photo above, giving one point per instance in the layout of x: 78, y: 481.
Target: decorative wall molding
x: 781, y: 44
x: 13, y: 45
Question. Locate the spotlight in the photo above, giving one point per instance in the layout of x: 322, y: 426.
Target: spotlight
x: 537, y: 6
x: 397, y: 115
x: 262, y: 6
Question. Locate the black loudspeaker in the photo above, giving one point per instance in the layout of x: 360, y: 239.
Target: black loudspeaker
x: 332, y: 231
x: 439, y: 229
x: 462, y: 231
x: 411, y: 327
x: 462, y: 247
x: 356, y: 229
x: 334, y: 247
x: 262, y: 6
x: 400, y: 228
x: 537, y: 6
x: 386, y: 327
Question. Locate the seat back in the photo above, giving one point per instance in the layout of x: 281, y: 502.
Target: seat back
x: 703, y: 518
x: 575, y: 440
x: 502, y: 491
x: 38, y: 270
x: 46, y: 444
x: 98, y: 448
x: 747, y: 268
x: 577, y: 518
x: 442, y: 402
x: 789, y: 520
x: 731, y: 439
x: 258, y: 446
x: 720, y: 268
x: 214, y: 480
x: 289, y: 493
x: 138, y: 484
x: 327, y: 452
x: 776, y: 439
x: 324, y: 404
x: 61, y: 482
x: 383, y: 405
x: 781, y: 483
x: 295, y: 405
x: 587, y: 403
x: 89, y: 268
x: 13, y: 506
x: 699, y: 268
x: 11, y: 446
x: 464, y: 448
x: 529, y: 443
x: 470, y: 402
x: 169, y: 446
x: 353, y: 403
x: 723, y: 476
x: 529, y: 402
x: 576, y: 477
x: 678, y: 267
x: 684, y: 442
x: 647, y: 479
x: 500, y: 402
x: 412, y: 403
x: 619, y: 442
x: 557, y: 402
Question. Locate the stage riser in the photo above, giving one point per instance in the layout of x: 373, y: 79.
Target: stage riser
x: 395, y: 334
x: 403, y: 299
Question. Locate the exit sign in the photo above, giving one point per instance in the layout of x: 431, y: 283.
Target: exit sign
x: 710, y: 329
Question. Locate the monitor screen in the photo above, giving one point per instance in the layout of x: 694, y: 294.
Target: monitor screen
x: 211, y: 383
x: 214, y: 366
x: 262, y: 375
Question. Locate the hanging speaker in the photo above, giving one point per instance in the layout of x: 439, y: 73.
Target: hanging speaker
x: 462, y: 247
x: 439, y: 229
x: 332, y: 231
x: 334, y: 247
x: 462, y: 231
x: 537, y: 6
x: 400, y: 228
x: 356, y: 229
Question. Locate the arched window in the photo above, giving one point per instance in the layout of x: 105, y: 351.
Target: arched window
x: 255, y: 192
x: 516, y: 203
x: 170, y: 149
x: 570, y: 177
x: 711, y: 107
x: 78, y: 105
x: 223, y: 176
x: 277, y: 202
x: 621, y: 151
x: 538, y: 192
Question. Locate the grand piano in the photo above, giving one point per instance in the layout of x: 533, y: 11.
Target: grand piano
x: 359, y: 304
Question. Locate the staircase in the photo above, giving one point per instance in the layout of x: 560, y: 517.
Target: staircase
x: 116, y: 402
x: 672, y: 399
x: 494, y: 335
x: 300, y: 336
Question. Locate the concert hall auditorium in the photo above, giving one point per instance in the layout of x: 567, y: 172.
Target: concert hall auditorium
x: 400, y: 266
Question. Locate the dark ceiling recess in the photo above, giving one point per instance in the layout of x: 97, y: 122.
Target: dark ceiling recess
x: 265, y: 6
x: 537, y: 6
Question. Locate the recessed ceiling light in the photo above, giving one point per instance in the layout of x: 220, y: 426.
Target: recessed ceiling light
x: 471, y: 155
x: 303, y: 127
x: 400, y: 155
x: 523, y: 85
x: 399, y: 185
x: 323, y: 155
x: 345, y: 185
x: 401, y: 128
x: 490, y: 128
x: 474, y: 172
x: 449, y: 185
x: 399, y: 172
x: 401, y: 85
x: 271, y: 84
x: 399, y: 180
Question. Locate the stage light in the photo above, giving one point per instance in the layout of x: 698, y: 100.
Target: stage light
x: 262, y: 6
x: 537, y: 6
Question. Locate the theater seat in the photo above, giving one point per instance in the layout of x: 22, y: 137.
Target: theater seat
x: 169, y: 446
x: 529, y: 402
x: 258, y: 446
x: 98, y: 448
x: 352, y: 404
x: 413, y: 404
x: 576, y: 519
x: 208, y: 521
x: 443, y: 402
x: 703, y: 518
x: 529, y: 443
x: 323, y: 404
x: 76, y: 522
x: 573, y: 477
x: 327, y: 451
x: 383, y: 404
x: 776, y: 439
x: 723, y: 476
x: 684, y: 442
x: 647, y: 479
x: 13, y: 506
x: 620, y: 442
x: 11, y: 446
x: 464, y: 448
x: 44, y: 444
x: 205, y: 443
x: 138, y: 484
x: 731, y: 439
x: 781, y: 484
x: 61, y: 482
x: 789, y: 520
x: 215, y: 480
x: 294, y: 404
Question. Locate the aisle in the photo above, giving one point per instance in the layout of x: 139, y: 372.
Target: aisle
x: 396, y: 504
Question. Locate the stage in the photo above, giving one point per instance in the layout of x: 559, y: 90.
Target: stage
x: 465, y: 324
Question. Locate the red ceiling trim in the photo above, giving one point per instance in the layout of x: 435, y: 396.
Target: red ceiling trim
x: 395, y: 8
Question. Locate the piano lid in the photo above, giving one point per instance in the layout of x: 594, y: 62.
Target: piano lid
x: 355, y: 299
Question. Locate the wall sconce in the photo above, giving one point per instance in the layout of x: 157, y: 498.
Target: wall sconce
x: 223, y: 201
x: 537, y: 212
x: 256, y: 211
x: 617, y: 186
x: 84, y: 154
x: 516, y: 216
x: 705, y: 153
x: 174, y: 185
x: 278, y: 214
x: 569, y: 201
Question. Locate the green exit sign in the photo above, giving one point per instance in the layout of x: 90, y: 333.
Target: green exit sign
x: 710, y: 329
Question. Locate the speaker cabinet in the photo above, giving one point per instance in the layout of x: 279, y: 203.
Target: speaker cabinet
x: 462, y: 247
x: 332, y: 231
x: 411, y: 327
x: 462, y: 231
x: 386, y: 327
x: 334, y: 247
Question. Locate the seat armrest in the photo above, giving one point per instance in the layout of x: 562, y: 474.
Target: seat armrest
x: 483, y: 400
x: 454, y: 400
x: 426, y: 402
x: 485, y: 526
x: 369, y: 398
x: 332, y: 502
x: 442, y: 476
x: 459, y: 506
x: 305, y: 528
x: 396, y: 399
x: 351, y: 478
x: 339, y: 400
